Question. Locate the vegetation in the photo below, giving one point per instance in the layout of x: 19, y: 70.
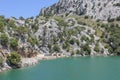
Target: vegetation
x: 33, y: 41
x: 4, y: 39
x: 22, y: 30
x: 13, y: 43
x: 61, y: 21
x: 1, y: 61
x: 2, y: 27
x: 14, y: 59
x: 114, y: 40
x: 56, y: 48
x: 97, y: 48
x: 87, y: 49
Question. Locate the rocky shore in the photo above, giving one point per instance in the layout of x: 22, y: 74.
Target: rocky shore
x: 30, y: 61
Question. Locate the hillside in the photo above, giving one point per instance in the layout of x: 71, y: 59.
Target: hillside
x: 96, y: 9
x: 60, y: 33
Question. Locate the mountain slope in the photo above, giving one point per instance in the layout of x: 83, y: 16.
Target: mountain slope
x: 97, y: 9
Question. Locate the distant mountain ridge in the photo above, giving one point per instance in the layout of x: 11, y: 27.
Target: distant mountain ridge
x: 97, y: 9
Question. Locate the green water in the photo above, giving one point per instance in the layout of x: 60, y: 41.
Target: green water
x: 81, y: 68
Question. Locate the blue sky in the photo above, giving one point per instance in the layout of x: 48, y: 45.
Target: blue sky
x: 25, y: 8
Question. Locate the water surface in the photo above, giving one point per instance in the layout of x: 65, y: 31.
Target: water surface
x: 80, y: 68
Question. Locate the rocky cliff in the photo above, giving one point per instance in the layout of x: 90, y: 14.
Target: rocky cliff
x: 97, y: 9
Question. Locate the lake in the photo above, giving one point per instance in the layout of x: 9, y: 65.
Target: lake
x: 79, y: 68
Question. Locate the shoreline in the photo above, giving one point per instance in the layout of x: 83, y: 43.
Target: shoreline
x: 26, y: 62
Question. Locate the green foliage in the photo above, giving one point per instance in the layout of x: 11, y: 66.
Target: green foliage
x: 1, y: 61
x: 72, y: 41
x: 61, y: 21
x: 118, y: 50
x: 33, y: 41
x: 13, y: 43
x: 2, y: 27
x: 11, y: 23
x: 87, y: 49
x: 22, y: 30
x: 2, y: 23
x: 99, y: 32
x: 118, y: 18
x: 114, y: 37
x: 84, y: 38
x: 4, y: 39
x: 86, y: 17
x: 56, y: 48
x: 34, y: 27
x: 97, y: 49
x: 110, y: 19
x: 14, y: 59
x: 78, y: 51
x: 77, y: 42
x: 72, y: 52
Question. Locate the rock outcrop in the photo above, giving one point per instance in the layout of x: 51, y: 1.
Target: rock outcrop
x: 97, y: 9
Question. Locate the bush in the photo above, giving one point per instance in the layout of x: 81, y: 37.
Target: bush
x: 13, y: 43
x: 110, y: 19
x: 61, y: 21
x: 1, y: 61
x: 118, y: 50
x: 33, y: 41
x: 72, y: 41
x: 2, y: 27
x: 97, y: 48
x: 14, y: 59
x: 78, y: 51
x: 22, y: 30
x: 77, y: 42
x: 86, y: 17
x: 72, y: 52
x: 4, y: 39
x: 87, y: 49
x: 56, y: 48
x: 118, y: 18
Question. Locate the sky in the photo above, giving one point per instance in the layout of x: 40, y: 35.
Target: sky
x: 24, y: 8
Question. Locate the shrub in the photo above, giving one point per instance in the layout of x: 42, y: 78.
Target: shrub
x: 34, y: 27
x: 13, y: 43
x: 61, y: 21
x: 118, y: 18
x: 33, y: 41
x: 4, y: 39
x: 78, y: 51
x: 22, y: 30
x: 84, y: 38
x: 87, y: 49
x: 97, y: 48
x: 118, y: 50
x: 86, y: 17
x: 72, y: 41
x: 1, y: 61
x: 77, y: 42
x: 56, y: 48
x: 110, y: 19
x: 2, y: 27
x: 11, y: 23
x: 72, y: 52
x: 14, y: 59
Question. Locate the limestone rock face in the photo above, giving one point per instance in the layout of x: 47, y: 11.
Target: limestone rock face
x: 97, y: 9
